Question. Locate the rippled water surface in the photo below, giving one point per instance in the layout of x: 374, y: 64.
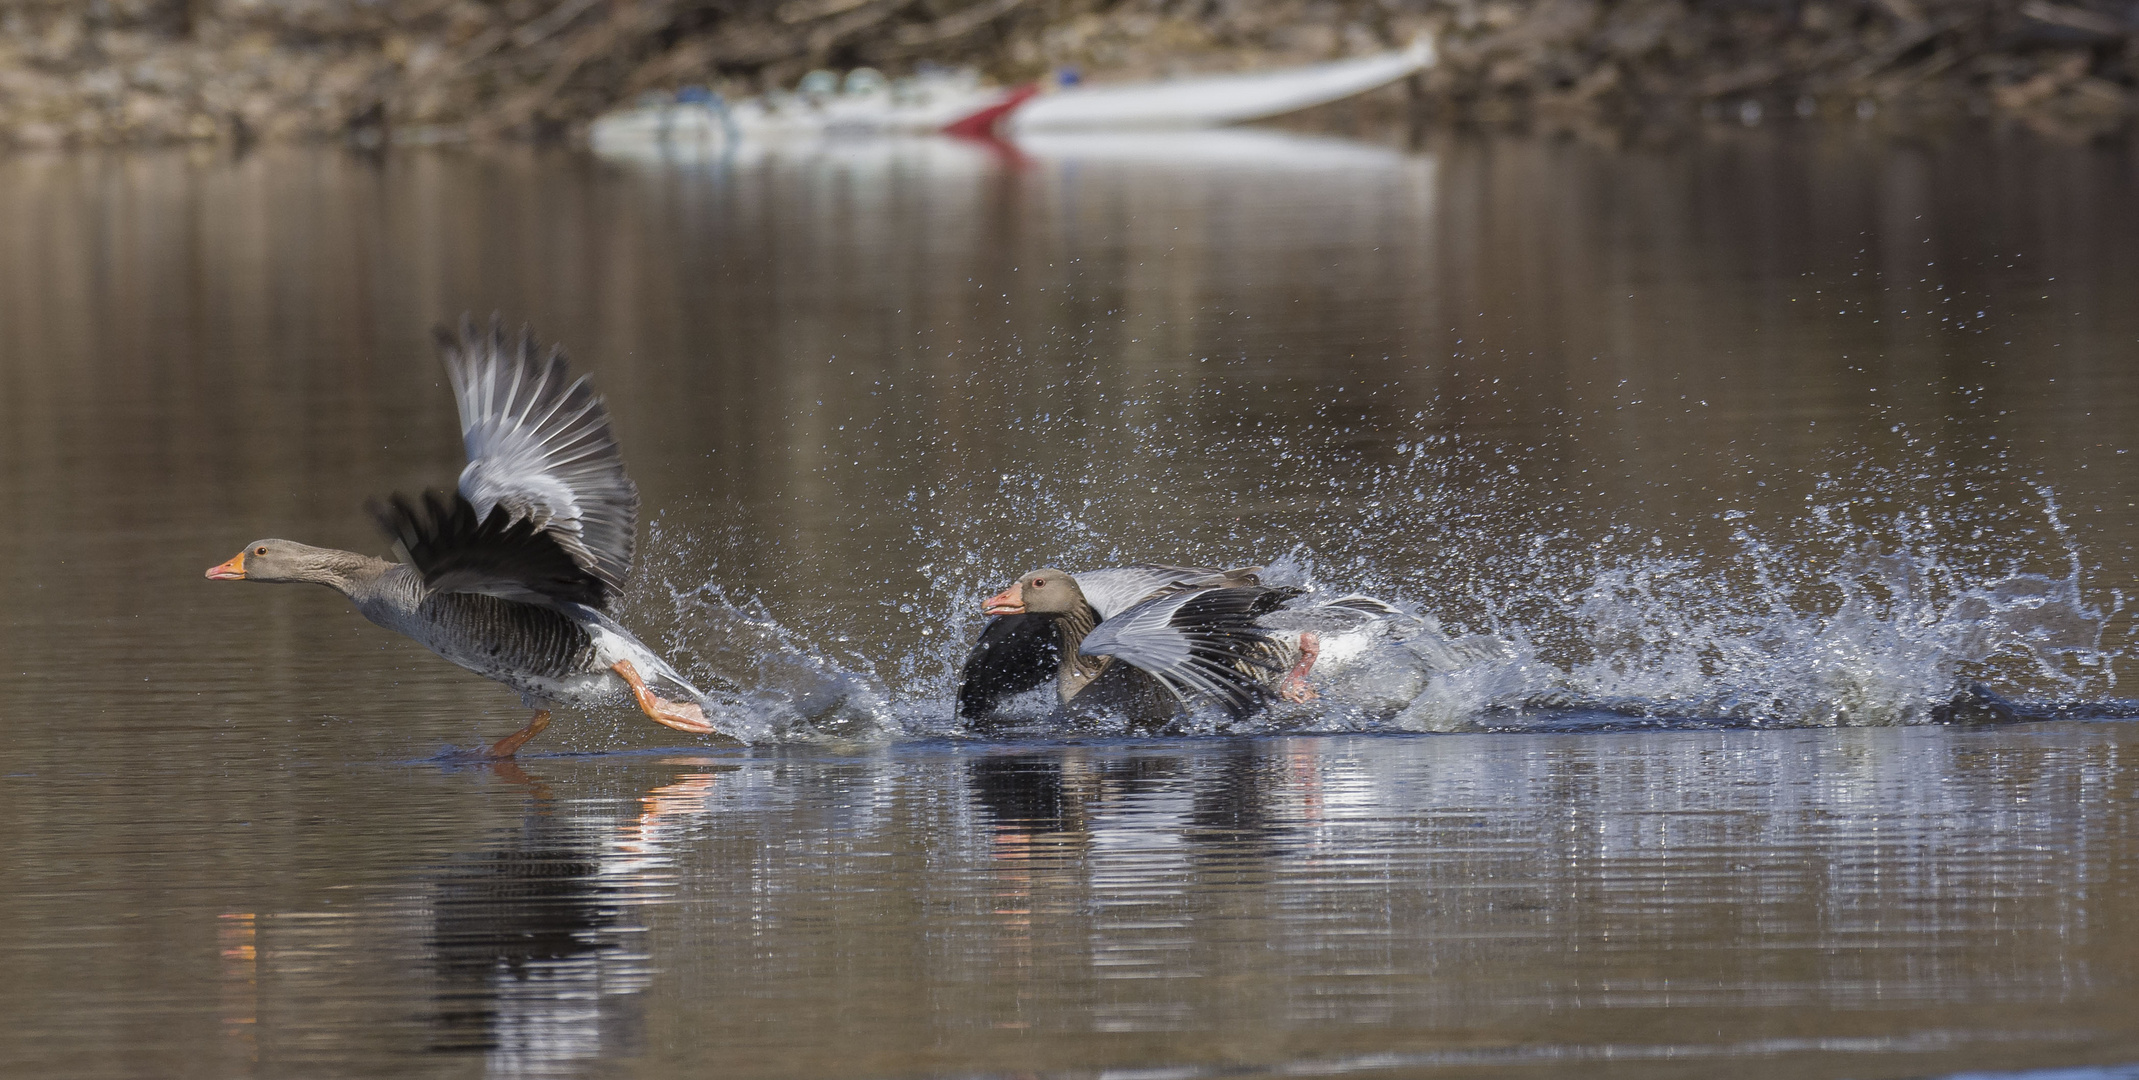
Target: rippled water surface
x: 1747, y: 455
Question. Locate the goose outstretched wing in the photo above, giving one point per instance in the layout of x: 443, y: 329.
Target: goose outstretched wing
x: 497, y: 555
x: 543, y: 470
x: 539, y: 446
x: 1199, y: 643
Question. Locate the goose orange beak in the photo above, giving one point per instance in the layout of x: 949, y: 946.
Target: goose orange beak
x: 234, y: 570
x: 1010, y: 601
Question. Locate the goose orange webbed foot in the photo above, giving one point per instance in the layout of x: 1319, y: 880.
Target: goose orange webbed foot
x: 509, y: 745
x: 681, y: 715
x: 509, y: 771
x: 1295, y: 688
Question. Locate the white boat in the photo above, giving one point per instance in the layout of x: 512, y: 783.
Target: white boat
x: 867, y: 104
x: 1215, y: 100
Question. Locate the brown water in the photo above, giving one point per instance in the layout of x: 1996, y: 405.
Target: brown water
x: 1752, y: 450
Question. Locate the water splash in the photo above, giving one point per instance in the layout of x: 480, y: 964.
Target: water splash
x: 1848, y: 616
x: 791, y: 692
x: 765, y: 683
x: 1878, y: 636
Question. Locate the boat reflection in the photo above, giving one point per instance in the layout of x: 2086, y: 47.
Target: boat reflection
x: 944, y: 156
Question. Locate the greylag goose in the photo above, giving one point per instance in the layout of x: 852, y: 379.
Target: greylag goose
x: 509, y: 575
x: 1138, y: 640
x: 1279, y: 644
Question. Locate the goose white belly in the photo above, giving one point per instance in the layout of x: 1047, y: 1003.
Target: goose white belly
x: 585, y: 688
x: 575, y: 673
x: 600, y: 686
x: 1366, y: 668
x: 1362, y: 661
x: 590, y: 691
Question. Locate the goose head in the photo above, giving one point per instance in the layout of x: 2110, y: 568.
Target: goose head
x: 1046, y: 591
x: 282, y: 561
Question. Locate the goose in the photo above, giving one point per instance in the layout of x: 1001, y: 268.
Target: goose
x: 1140, y: 640
x: 1183, y: 632
x: 509, y: 575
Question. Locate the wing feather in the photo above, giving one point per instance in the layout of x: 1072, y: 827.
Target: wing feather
x: 1015, y: 653
x: 540, y: 448
x: 1116, y: 589
x: 497, y: 555
x: 1200, y: 642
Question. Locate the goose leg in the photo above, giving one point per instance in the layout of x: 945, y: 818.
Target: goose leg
x: 681, y: 715
x: 1295, y: 688
x: 511, y: 744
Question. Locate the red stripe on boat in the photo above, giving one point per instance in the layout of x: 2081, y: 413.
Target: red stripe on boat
x: 981, y: 124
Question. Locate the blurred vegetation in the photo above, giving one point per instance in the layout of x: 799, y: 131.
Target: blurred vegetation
x: 144, y: 71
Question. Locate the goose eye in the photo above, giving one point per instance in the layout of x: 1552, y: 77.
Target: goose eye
x: 262, y: 550
x: 1037, y: 582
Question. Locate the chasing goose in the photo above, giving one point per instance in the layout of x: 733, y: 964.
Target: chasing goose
x: 508, y: 576
x: 1137, y: 640
x: 1144, y: 640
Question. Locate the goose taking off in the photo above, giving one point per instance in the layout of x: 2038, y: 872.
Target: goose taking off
x: 508, y: 576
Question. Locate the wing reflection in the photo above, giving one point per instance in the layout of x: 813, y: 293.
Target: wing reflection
x: 536, y: 940
x: 1026, y: 795
x: 530, y: 941
x: 1245, y: 800
x: 529, y: 949
x: 1246, y: 808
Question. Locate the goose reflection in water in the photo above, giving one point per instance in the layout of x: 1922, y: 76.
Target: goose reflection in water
x: 1253, y: 796
x: 538, y: 955
x: 1256, y: 800
x: 1112, y: 824
x: 1095, y: 846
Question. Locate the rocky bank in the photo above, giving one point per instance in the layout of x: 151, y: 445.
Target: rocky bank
x: 380, y: 71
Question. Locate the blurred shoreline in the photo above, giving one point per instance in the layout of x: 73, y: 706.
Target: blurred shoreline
x: 379, y: 72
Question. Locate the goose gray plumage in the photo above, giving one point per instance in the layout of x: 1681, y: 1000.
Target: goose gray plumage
x: 1141, y: 641
x: 508, y: 576
x: 1186, y: 632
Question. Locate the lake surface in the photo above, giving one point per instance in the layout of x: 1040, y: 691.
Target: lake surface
x: 1749, y: 451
